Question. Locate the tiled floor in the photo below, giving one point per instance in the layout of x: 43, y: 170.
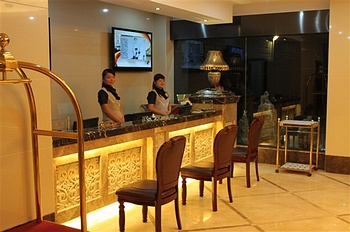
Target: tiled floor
x: 284, y: 201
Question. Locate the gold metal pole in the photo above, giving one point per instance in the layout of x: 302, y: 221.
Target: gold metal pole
x: 311, y: 145
x: 285, y: 143
x: 35, y: 147
x: 278, y: 145
x: 79, y: 133
x: 318, y: 142
x: 9, y: 64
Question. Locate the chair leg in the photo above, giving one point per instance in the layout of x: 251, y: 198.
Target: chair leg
x: 229, y: 189
x: 247, y: 173
x: 232, y: 169
x: 121, y: 216
x: 177, y: 213
x: 158, y: 217
x: 214, y: 194
x: 184, y: 191
x: 144, y: 213
x: 201, y: 188
x: 256, y: 169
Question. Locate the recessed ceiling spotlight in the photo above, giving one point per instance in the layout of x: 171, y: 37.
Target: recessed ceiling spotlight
x: 31, y: 17
x: 205, y: 20
x: 157, y: 8
x: 105, y: 10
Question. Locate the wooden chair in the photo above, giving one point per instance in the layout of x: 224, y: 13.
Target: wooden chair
x: 156, y: 192
x: 213, y: 171
x: 250, y: 153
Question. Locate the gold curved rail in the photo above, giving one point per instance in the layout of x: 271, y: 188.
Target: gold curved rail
x: 78, y: 135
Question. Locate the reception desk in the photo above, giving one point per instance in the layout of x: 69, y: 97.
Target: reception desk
x: 225, y: 101
x: 118, y: 156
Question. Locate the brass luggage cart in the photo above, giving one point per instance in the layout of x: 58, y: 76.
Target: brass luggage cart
x: 9, y: 64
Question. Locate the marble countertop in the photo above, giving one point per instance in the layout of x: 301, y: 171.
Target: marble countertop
x: 217, y: 96
x: 133, y: 126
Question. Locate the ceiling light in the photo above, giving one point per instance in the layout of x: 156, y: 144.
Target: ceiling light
x: 105, y: 10
x: 275, y: 38
x: 157, y: 8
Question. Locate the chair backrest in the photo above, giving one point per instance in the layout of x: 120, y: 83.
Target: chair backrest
x: 168, y: 163
x: 254, y: 134
x: 223, y: 147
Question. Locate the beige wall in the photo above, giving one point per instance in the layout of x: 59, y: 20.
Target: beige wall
x: 29, y: 42
x: 269, y: 7
x: 79, y: 59
x: 80, y: 41
x: 338, y: 112
x: 80, y: 37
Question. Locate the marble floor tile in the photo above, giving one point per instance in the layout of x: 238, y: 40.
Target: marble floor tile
x: 284, y: 201
x: 296, y: 181
x: 336, y: 201
x: 276, y: 208
x: 330, y: 224
x: 345, y: 218
x: 338, y: 177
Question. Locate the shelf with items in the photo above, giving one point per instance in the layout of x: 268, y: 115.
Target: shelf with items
x: 288, y: 127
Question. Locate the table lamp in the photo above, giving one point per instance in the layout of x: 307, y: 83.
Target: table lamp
x: 214, y: 63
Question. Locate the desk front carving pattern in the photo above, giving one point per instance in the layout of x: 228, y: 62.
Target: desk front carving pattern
x: 186, y: 159
x: 203, y: 144
x: 67, y: 183
x: 124, y: 167
x: 124, y: 155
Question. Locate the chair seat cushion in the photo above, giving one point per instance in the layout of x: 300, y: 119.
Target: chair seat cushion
x: 144, y: 189
x: 239, y: 154
x: 240, y: 151
x: 203, y: 168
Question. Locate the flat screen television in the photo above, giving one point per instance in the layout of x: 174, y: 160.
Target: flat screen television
x: 232, y: 50
x: 132, y: 50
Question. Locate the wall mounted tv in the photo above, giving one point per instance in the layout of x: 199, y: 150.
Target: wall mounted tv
x: 132, y: 50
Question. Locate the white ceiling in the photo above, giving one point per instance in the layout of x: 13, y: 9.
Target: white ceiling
x: 219, y: 11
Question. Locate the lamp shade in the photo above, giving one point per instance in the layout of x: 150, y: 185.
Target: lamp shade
x: 214, y: 61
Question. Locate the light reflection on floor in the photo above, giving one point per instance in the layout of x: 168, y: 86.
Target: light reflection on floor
x: 284, y: 201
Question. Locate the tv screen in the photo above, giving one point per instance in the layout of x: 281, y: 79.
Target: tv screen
x: 132, y: 50
x: 232, y: 50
